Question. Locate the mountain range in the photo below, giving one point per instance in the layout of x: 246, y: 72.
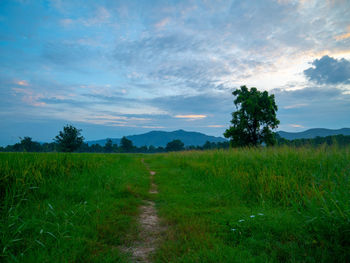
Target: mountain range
x: 161, y: 138
x: 312, y: 133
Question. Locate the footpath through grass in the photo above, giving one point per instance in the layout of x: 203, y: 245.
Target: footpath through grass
x: 69, y: 207
x: 246, y: 205
x: 254, y: 205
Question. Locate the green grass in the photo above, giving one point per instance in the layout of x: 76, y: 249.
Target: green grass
x: 69, y: 207
x: 244, y: 205
x: 255, y: 205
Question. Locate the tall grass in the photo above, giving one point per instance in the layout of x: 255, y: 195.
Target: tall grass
x: 242, y: 205
x: 68, y: 207
x: 270, y: 204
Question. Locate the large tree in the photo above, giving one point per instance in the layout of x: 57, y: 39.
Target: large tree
x: 69, y: 140
x: 254, y: 119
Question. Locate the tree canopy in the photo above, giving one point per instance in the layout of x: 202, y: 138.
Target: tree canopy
x: 175, y: 145
x: 108, y: 146
x: 126, y: 145
x: 69, y: 139
x: 27, y: 144
x: 254, y: 119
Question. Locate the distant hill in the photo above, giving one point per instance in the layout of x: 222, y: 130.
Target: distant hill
x: 312, y: 133
x: 161, y: 138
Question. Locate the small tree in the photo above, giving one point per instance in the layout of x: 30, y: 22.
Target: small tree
x: 175, y: 145
x: 151, y: 149
x: 69, y: 139
x: 208, y: 145
x: 254, y: 119
x: 115, y: 148
x: 109, y: 146
x: 28, y: 145
x: 126, y: 145
x: 96, y: 148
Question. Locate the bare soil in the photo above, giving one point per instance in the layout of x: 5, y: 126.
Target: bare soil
x: 150, y: 228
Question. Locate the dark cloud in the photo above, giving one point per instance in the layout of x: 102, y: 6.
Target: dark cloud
x: 328, y: 70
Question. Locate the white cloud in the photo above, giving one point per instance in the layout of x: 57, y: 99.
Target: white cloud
x: 30, y: 97
x: 294, y: 106
x: 22, y: 83
x: 296, y: 125
x: 162, y: 23
x: 153, y: 127
x: 66, y: 22
x: 191, y: 116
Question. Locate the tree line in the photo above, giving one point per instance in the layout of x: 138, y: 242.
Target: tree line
x: 339, y: 140
x: 26, y: 144
x: 70, y: 140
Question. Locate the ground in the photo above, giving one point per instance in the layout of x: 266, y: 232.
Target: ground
x: 247, y: 205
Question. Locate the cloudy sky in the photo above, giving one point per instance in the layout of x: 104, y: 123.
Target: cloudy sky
x: 117, y: 68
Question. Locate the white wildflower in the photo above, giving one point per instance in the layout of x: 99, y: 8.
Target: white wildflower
x: 241, y: 220
x: 233, y: 229
x: 252, y: 216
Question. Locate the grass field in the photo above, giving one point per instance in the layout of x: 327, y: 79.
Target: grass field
x: 69, y: 207
x: 265, y: 205
x: 246, y: 205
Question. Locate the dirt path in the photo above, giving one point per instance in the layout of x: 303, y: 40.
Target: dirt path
x: 150, y: 229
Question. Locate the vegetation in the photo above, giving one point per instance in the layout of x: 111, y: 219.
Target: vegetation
x: 338, y: 140
x: 175, y: 145
x: 255, y: 205
x: 68, y: 207
x: 126, y: 145
x: 22, y: 146
x: 280, y: 204
x: 69, y: 140
x: 254, y: 119
x: 109, y: 147
x: 27, y: 145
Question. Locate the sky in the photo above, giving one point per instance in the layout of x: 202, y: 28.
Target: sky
x: 115, y: 68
